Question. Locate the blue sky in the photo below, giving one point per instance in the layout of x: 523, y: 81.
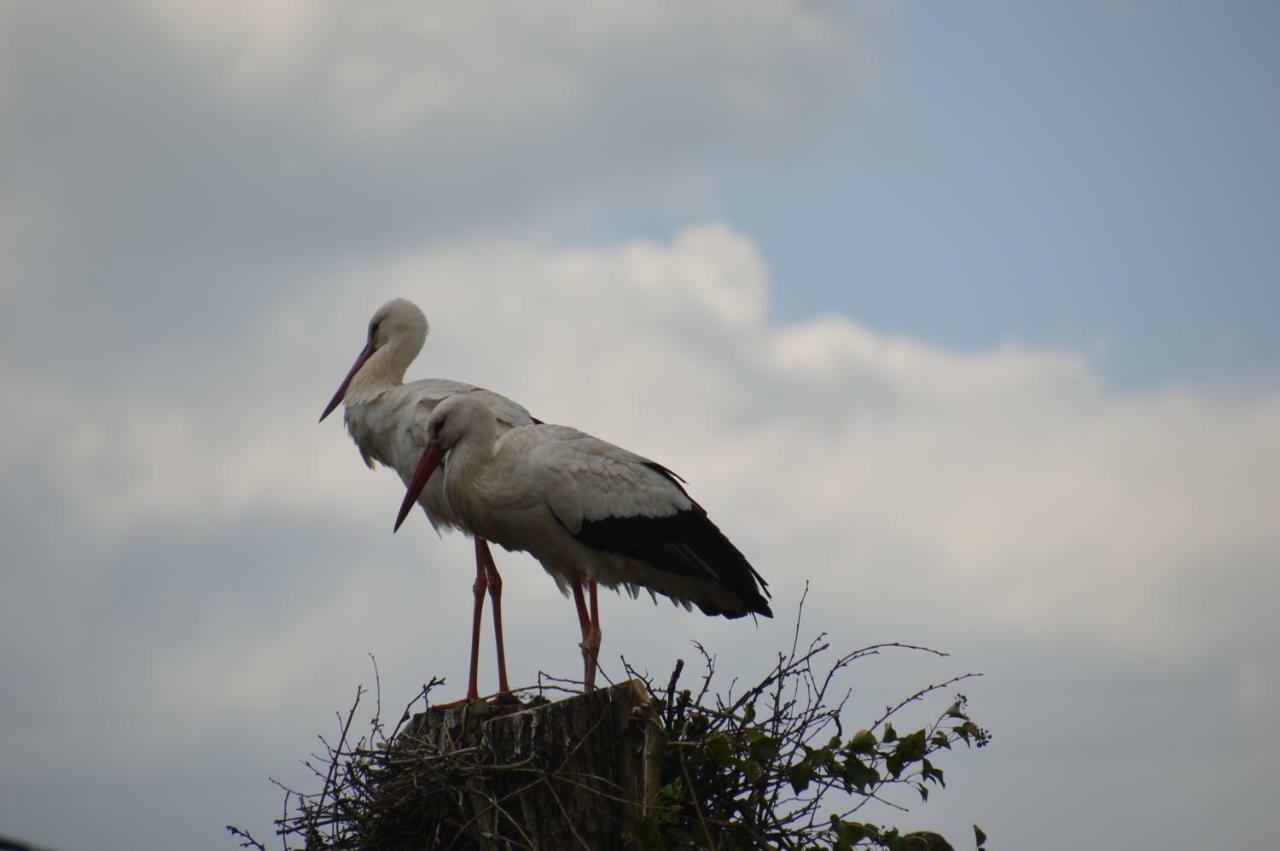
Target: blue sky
x: 960, y: 313
x: 1104, y: 175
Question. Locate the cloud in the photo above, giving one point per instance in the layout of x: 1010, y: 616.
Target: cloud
x: 197, y: 161
x: 403, y: 73
x: 1010, y: 485
x: 236, y: 556
x: 255, y: 131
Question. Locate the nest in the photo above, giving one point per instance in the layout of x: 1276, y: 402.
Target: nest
x: 643, y: 764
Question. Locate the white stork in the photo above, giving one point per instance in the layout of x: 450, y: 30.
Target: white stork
x: 387, y: 420
x: 587, y: 510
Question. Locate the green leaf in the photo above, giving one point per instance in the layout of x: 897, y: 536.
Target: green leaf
x: 890, y: 734
x: 800, y: 775
x: 912, y: 747
x: 763, y: 747
x: 852, y: 832
x: 859, y: 775
x: 719, y: 750
x: 928, y: 772
x: 863, y: 741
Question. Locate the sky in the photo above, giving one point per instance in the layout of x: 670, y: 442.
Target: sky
x: 960, y: 313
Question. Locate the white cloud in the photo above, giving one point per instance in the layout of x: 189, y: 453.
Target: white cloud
x: 200, y: 157
x: 379, y: 72
x: 1009, y: 490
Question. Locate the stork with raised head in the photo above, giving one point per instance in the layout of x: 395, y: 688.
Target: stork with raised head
x: 387, y: 420
x: 589, y: 511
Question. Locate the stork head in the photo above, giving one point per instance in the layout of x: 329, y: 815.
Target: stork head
x: 455, y: 419
x: 397, y: 331
x: 460, y: 416
x: 400, y: 321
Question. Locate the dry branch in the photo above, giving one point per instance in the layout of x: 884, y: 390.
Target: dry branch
x: 635, y: 765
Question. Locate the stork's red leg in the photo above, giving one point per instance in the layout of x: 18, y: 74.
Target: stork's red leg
x: 495, y: 594
x: 591, y: 641
x: 478, y: 590
x: 584, y: 623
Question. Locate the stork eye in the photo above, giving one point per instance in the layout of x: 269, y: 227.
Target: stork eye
x: 373, y: 329
x: 436, y: 430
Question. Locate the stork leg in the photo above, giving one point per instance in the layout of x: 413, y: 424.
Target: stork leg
x: 483, y: 556
x: 593, y: 636
x: 589, y: 622
x: 478, y: 589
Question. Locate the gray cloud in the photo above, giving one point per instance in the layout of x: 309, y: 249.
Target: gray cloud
x: 191, y: 160
x: 175, y: 177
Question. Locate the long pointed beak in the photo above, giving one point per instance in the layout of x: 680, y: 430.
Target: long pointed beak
x: 342, y: 391
x: 430, y: 460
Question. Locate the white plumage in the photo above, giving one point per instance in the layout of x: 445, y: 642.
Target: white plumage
x: 589, y: 511
x: 387, y: 420
x: 389, y: 427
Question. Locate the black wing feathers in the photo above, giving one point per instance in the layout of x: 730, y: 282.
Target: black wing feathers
x: 687, y: 544
x: 671, y: 475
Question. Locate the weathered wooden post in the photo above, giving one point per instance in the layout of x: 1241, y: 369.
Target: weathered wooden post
x: 569, y: 774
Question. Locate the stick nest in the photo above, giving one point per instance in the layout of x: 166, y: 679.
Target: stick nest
x: 771, y: 766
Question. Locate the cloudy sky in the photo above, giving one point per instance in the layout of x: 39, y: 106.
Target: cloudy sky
x: 963, y: 313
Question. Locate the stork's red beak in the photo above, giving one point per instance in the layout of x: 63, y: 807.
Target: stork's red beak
x: 430, y: 460
x: 342, y: 391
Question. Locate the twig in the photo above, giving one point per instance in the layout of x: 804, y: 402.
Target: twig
x: 697, y: 807
x: 758, y: 764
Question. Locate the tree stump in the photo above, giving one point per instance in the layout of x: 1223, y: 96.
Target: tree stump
x: 570, y: 774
